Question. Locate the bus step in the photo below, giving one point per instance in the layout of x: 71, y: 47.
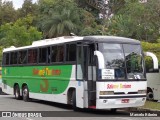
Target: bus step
x: 92, y: 107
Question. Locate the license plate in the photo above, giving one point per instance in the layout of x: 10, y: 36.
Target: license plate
x: 125, y: 101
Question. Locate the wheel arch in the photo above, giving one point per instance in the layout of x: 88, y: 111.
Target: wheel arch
x: 14, y: 86
x: 24, y: 84
x: 69, y: 94
x: 149, y: 89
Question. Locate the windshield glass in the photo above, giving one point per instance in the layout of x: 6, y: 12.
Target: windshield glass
x: 114, y: 59
x: 134, y: 62
x: 125, y: 60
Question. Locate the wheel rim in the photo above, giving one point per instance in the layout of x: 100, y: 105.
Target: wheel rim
x: 16, y: 94
x: 25, y: 92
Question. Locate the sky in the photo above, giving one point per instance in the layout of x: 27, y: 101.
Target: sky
x: 18, y: 3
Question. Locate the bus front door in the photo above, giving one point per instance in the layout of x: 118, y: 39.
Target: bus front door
x: 86, y: 72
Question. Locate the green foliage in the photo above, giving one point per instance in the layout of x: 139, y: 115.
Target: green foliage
x: 19, y: 33
x: 59, y: 20
x: 137, y: 20
x: 28, y: 8
x: 7, y: 12
x: 151, y: 47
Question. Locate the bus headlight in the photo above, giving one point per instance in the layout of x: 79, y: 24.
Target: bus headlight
x: 106, y: 93
x: 142, y: 91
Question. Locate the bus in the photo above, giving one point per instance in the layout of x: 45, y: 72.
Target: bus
x: 97, y: 72
x: 153, y: 79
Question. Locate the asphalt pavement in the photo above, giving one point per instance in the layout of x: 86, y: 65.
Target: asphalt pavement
x: 43, y: 110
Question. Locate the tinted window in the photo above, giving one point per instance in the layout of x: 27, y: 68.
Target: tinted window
x: 13, y: 59
x: 32, y: 56
x: 22, y: 57
x: 71, y: 52
x: 57, y: 53
x: 6, y: 58
x: 60, y: 54
x: 54, y: 53
x: 42, y: 55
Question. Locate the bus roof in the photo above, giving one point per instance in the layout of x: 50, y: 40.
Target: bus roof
x: 112, y: 39
x: 65, y: 39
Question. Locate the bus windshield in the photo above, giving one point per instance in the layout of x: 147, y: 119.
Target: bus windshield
x: 124, y: 59
x: 134, y: 61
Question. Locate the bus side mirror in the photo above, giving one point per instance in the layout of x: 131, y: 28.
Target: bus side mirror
x: 155, y: 60
x: 100, y: 57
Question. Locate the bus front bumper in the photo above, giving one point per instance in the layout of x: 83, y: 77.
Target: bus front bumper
x: 120, y: 102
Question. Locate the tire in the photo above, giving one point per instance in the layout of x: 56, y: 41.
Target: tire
x: 17, y: 93
x: 74, y: 101
x: 150, y: 96
x: 25, y: 93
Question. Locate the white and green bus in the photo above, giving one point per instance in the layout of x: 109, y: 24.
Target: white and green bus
x: 99, y: 72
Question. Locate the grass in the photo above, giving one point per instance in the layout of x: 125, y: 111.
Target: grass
x: 151, y: 105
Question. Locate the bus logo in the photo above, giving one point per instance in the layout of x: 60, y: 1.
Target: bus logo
x: 116, y: 86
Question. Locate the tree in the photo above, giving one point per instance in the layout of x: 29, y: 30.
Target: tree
x: 60, y: 24
x: 59, y: 18
x: 28, y: 8
x: 137, y: 20
x: 19, y: 33
x: 7, y: 12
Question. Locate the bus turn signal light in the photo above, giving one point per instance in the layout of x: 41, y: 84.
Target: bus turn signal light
x: 106, y: 93
x: 142, y: 91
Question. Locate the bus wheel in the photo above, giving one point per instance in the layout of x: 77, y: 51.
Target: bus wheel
x: 17, y: 92
x: 25, y: 93
x: 150, y: 96
x: 74, y: 101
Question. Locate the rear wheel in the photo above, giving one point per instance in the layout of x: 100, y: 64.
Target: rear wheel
x: 25, y: 94
x: 17, y: 92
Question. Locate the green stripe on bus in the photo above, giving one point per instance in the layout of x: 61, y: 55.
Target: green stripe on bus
x: 40, y: 79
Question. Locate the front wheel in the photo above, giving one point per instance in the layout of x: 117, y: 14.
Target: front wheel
x: 74, y: 101
x: 150, y: 96
x: 25, y: 94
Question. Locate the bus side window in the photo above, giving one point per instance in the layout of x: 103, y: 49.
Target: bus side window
x: 32, y: 56
x: 22, y: 57
x: 71, y: 52
x: 54, y: 53
x: 49, y: 54
x: 42, y: 55
x: 57, y: 53
x: 6, y: 59
x: 13, y: 59
x: 60, y: 54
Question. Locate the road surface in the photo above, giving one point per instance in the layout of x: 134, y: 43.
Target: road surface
x: 57, y: 111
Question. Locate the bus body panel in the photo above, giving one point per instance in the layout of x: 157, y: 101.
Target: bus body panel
x: 121, y: 91
x: 153, y: 82
x: 37, y: 83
